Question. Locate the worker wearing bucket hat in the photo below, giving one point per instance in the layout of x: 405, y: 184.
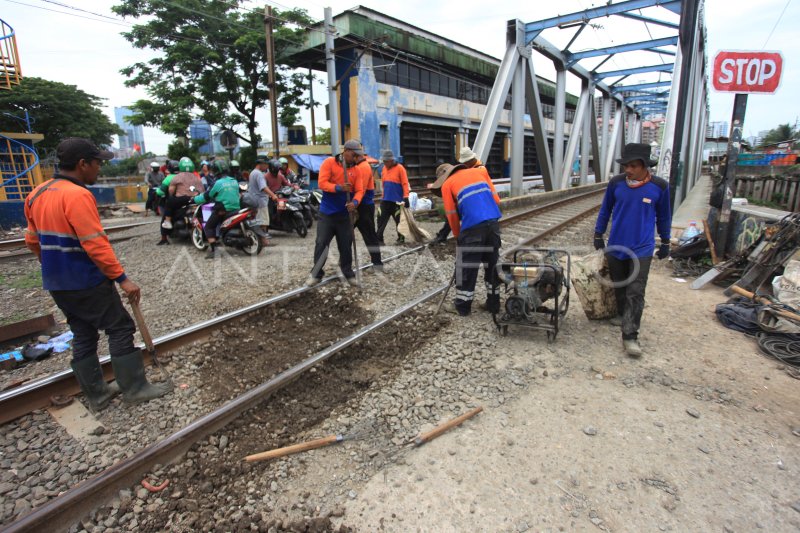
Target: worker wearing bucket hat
x: 637, y: 203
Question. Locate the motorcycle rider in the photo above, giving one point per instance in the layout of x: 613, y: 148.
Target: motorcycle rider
x: 225, y: 195
x: 161, y: 197
x: 236, y: 172
x: 294, y: 179
x: 183, y: 187
x: 153, y: 180
x: 275, y: 178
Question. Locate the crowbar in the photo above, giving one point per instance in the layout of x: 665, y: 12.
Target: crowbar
x: 450, y: 424
x: 148, y: 340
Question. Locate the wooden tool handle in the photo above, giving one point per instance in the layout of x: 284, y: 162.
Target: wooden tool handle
x: 295, y: 448
x: 760, y: 299
x: 450, y: 424
x: 711, y: 247
x: 137, y: 315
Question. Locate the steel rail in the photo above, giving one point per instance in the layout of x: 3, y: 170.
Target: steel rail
x: 36, y: 394
x: 63, y: 511
x: 15, y: 244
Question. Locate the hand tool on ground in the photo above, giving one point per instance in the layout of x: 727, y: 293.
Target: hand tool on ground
x: 714, y: 272
x: 711, y: 247
x: 765, y: 301
x: 352, y: 228
x: 444, y: 296
x: 148, y: 340
x: 441, y: 428
x: 357, y: 431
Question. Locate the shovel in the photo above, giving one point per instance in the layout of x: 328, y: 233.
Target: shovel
x: 446, y: 292
x: 148, y: 340
x: 365, y: 427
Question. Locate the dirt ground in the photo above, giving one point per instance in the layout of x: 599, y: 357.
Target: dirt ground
x: 697, y: 435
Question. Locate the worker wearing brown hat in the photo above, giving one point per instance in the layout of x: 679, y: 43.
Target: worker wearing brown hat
x: 636, y: 202
x: 468, y: 159
x: 471, y: 205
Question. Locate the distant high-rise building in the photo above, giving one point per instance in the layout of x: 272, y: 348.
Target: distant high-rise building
x: 201, y: 130
x: 717, y: 129
x: 133, y: 140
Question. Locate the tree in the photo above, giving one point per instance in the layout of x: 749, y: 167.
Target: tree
x: 323, y: 136
x: 211, y: 63
x: 56, y: 110
x: 783, y: 132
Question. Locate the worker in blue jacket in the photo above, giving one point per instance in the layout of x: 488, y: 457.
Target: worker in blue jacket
x: 636, y: 203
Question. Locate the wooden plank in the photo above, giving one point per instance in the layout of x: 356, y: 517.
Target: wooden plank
x: 26, y: 327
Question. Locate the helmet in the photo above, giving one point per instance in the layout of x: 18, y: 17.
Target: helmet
x: 220, y: 167
x: 234, y: 163
x: 203, y: 162
x: 155, y: 164
x: 283, y: 161
x: 186, y: 165
x: 172, y: 166
x: 274, y: 166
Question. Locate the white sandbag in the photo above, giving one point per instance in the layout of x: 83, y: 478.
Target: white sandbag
x: 786, y: 288
x: 593, y: 284
x: 423, y: 204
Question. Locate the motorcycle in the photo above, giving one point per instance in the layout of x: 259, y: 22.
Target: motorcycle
x: 235, y: 231
x: 305, y: 199
x: 182, y: 223
x: 287, y: 214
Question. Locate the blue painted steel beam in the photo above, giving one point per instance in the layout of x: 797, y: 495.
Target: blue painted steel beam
x: 533, y: 29
x: 640, y: 86
x: 629, y: 47
x: 649, y: 20
x: 636, y: 70
x: 647, y: 96
x: 660, y: 51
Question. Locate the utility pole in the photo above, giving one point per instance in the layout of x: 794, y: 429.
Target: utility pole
x: 311, y: 102
x: 273, y: 97
x: 330, y: 61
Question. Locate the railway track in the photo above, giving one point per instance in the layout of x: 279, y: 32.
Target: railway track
x: 540, y: 222
x: 13, y: 248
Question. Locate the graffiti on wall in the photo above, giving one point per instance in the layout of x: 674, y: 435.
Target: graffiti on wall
x: 747, y: 231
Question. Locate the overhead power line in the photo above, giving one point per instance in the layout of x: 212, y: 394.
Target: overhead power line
x: 780, y: 17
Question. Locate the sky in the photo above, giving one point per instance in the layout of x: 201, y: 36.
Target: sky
x: 89, y: 52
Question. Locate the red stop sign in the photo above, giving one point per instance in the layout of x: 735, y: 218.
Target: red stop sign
x: 747, y: 72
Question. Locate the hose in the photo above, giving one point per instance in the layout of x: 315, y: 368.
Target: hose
x: 785, y: 347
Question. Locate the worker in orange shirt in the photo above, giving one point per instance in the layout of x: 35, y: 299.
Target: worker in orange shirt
x: 471, y: 205
x: 394, y: 182
x: 79, y: 268
x: 365, y: 222
x: 340, y: 198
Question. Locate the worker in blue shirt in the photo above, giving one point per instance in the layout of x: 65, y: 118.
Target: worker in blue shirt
x: 636, y: 203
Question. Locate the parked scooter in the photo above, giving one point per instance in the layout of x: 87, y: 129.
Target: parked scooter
x: 287, y: 213
x: 304, y: 197
x: 235, y: 231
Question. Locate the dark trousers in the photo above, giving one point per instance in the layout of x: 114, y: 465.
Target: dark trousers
x: 152, y: 202
x: 629, y: 290
x: 443, y: 232
x: 478, y: 245
x: 366, y: 226
x: 388, y: 210
x: 168, y: 208
x: 90, y: 310
x: 328, y: 227
x: 217, y: 217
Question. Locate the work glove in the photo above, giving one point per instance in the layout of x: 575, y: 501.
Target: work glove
x: 599, y: 243
x: 406, y: 203
x: 663, y: 250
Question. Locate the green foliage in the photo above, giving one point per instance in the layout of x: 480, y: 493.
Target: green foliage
x: 210, y: 62
x: 246, y: 158
x: 57, y: 110
x: 123, y: 167
x: 178, y: 148
x: 323, y: 136
x: 784, y: 132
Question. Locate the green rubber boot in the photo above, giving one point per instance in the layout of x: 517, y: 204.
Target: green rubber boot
x: 129, y: 371
x: 90, y: 377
